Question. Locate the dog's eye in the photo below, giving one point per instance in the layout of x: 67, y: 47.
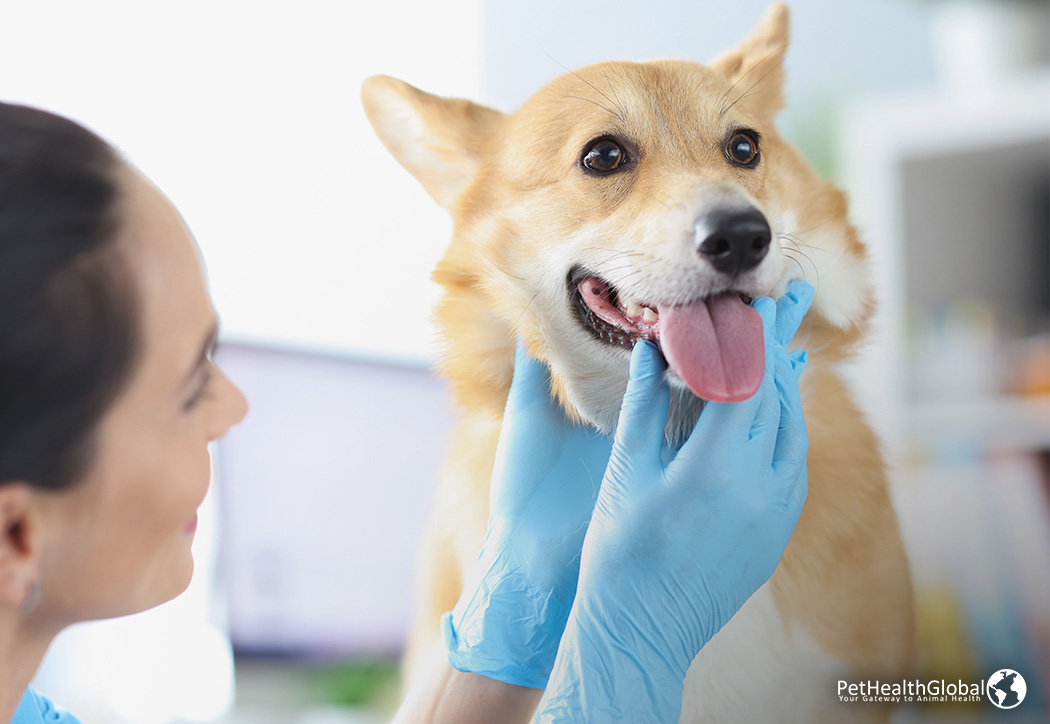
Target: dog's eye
x: 604, y: 156
x: 742, y: 149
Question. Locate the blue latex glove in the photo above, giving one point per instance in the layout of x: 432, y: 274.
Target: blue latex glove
x: 509, y: 620
x: 675, y: 549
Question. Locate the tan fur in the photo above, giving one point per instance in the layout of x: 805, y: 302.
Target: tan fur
x: 524, y: 213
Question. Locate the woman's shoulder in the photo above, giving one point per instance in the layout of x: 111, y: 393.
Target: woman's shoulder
x: 36, y: 708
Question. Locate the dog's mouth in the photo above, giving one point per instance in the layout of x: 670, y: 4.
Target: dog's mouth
x: 714, y: 344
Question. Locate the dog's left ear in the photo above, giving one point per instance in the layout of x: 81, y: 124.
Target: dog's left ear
x: 756, y: 66
x: 438, y: 140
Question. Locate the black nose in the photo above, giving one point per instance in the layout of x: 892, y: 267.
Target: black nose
x: 734, y: 241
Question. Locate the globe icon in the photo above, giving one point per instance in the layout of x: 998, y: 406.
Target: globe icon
x: 1006, y: 688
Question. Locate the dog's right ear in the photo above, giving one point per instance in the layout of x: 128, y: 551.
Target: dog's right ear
x: 438, y: 140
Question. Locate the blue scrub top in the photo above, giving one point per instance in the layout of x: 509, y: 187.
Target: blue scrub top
x: 37, y: 709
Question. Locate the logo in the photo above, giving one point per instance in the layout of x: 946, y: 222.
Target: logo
x: 1006, y: 688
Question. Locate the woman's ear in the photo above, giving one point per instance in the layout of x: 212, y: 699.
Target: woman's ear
x: 19, y: 546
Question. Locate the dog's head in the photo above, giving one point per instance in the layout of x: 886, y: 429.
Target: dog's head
x: 627, y: 201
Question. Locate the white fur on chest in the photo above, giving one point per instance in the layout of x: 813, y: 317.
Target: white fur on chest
x: 759, y: 670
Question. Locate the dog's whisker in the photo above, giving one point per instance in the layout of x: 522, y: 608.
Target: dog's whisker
x: 797, y: 263
x: 794, y: 251
x: 525, y: 309
x: 752, y: 86
x: 624, y: 253
x: 823, y: 222
x: 752, y: 69
x: 739, y: 80
x: 798, y: 242
x: 791, y: 254
x: 615, y: 252
x: 600, y: 105
x: 616, y: 264
x: 798, y: 232
x: 630, y: 271
x: 618, y: 103
x: 497, y: 266
x: 795, y: 241
x: 576, y: 75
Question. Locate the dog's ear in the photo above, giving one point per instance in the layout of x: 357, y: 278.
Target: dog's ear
x: 438, y: 140
x: 756, y: 66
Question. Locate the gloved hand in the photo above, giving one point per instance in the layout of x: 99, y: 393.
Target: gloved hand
x: 673, y: 551
x: 509, y: 620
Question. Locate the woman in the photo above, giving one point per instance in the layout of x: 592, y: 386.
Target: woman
x: 109, y: 397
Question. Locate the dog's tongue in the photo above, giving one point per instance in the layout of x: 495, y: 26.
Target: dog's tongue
x: 716, y: 346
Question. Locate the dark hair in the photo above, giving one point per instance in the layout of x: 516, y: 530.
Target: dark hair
x: 68, y: 327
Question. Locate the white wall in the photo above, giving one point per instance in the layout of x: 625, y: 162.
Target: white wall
x: 247, y: 114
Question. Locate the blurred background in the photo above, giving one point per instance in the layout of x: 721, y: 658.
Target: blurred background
x: 934, y: 115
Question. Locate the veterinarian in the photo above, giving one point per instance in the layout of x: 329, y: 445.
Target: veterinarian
x: 109, y: 398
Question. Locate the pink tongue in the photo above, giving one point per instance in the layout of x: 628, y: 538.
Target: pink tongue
x: 716, y: 346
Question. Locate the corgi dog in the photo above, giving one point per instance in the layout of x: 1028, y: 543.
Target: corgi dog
x: 653, y: 200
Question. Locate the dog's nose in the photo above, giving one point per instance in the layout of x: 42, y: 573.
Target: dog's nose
x: 733, y: 240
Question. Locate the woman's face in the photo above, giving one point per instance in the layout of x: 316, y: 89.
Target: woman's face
x: 119, y: 541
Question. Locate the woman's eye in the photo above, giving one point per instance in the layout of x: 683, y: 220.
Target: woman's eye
x: 742, y: 149
x: 203, y: 388
x: 604, y: 156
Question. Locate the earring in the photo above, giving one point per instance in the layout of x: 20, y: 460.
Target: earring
x: 32, y: 598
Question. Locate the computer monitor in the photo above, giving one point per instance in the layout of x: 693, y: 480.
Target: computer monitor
x: 324, y: 491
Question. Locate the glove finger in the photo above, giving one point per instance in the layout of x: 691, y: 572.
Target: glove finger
x: 764, y: 429
x: 792, y: 440
x: 530, y: 385
x: 635, y: 458
x: 530, y: 420
x: 643, y: 414
x: 767, y: 418
x: 791, y: 308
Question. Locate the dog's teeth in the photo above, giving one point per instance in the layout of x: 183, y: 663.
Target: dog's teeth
x: 634, y: 309
x: 649, y: 315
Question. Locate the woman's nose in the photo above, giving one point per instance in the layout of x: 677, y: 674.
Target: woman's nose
x: 231, y: 409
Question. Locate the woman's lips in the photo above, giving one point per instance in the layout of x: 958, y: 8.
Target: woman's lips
x: 191, y: 527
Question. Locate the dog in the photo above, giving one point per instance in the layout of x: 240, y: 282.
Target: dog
x: 653, y: 200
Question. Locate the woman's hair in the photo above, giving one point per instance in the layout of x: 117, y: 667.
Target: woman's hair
x: 68, y: 324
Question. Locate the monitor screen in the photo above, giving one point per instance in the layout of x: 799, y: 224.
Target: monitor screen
x: 324, y: 490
